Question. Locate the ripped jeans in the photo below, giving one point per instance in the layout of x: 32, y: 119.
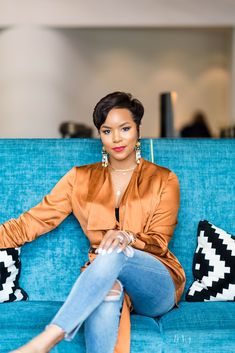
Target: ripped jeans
x: 97, y: 295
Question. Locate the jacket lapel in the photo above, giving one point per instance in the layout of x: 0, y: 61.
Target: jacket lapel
x: 101, y: 215
x: 132, y: 217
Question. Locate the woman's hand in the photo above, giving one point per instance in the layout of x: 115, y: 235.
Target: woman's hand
x: 112, y: 239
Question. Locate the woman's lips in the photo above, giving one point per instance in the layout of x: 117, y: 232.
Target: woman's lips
x: 119, y: 149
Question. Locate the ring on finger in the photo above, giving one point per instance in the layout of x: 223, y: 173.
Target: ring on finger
x: 120, y: 238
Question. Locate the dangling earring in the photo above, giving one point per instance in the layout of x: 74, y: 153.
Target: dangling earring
x: 138, y: 151
x: 105, y: 161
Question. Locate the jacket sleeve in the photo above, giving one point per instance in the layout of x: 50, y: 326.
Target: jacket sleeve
x: 163, y: 221
x: 42, y: 218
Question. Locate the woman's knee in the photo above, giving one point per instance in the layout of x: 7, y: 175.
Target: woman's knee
x: 110, y: 306
x: 115, y: 292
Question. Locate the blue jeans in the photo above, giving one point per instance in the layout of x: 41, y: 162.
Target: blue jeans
x: 145, y: 279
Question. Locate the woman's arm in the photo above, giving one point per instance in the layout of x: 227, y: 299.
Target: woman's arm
x: 163, y: 221
x: 42, y: 218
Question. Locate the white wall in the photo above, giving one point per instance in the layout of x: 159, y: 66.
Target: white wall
x: 36, y: 91
x: 108, y: 13
x: 232, y: 85
x: 48, y: 75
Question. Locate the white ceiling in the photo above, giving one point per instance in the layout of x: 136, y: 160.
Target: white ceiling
x: 118, y: 13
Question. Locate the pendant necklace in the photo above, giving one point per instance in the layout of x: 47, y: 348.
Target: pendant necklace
x: 117, y: 184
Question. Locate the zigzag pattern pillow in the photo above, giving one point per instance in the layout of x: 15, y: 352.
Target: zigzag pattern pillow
x: 213, y: 265
x: 10, y: 266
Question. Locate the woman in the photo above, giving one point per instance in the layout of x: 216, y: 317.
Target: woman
x: 128, y: 209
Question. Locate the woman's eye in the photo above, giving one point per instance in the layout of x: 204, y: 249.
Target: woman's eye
x: 126, y: 128
x: 106, y: 132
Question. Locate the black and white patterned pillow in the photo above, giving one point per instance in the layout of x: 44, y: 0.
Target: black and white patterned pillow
x: 10, y: 266
x: 213, y: 265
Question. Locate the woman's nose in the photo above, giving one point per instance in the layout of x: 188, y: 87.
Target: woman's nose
x: 116, y: 136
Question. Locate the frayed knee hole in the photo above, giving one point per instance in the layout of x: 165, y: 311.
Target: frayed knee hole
x: 115, y: 292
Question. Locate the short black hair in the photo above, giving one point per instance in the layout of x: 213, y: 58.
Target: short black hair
x: 118, y: 100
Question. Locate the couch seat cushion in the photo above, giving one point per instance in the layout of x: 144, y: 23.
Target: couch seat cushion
x: 20, y: 321
x: 199, y: 327
x: 145, y: 335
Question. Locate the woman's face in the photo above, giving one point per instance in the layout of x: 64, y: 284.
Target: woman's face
x: 119, y: 134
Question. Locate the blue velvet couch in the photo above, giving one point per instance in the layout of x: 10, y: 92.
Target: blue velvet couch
x: 50, y: 265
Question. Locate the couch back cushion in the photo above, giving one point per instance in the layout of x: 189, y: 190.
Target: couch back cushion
x: 31, y: 167
x: 206, y: 172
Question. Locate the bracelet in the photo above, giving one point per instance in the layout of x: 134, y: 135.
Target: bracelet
x: 121, y: 238
x: 132, y: 237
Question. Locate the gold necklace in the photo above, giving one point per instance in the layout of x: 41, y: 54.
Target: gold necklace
x: 117, y: 184
x: 123, y: 170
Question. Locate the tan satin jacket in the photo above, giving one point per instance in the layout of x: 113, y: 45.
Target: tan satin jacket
x: 148, y: 208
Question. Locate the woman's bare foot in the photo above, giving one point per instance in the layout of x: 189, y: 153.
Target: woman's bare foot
x: 44, y: 342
